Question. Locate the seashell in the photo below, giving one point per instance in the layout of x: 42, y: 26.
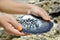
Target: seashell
x: 34, y: 25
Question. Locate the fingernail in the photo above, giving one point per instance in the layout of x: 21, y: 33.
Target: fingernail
x: 19, y: 28
x: 48, y: 19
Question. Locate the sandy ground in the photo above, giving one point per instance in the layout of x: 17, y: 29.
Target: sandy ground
x: 52, y: 6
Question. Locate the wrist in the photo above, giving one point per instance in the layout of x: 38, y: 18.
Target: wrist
x: 2, y: 0
x: 1, y: 3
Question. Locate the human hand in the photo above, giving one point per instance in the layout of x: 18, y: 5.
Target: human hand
x: 37, y: 11
x: 10, y: 6
x: 11, y: 25
x: 13, y: 7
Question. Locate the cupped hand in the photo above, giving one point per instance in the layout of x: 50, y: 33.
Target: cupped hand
x: 23, y: 8
x: 9, y: 23
x: 37, y: 11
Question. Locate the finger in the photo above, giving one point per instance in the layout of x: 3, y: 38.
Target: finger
x: 32, y: 12
x: 44, y: 14
x: 15, y: 23
x: 8, y: 27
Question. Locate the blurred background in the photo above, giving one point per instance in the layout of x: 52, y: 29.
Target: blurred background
x: 53, y: 9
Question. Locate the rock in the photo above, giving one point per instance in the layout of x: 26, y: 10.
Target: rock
x: 58, y: 28
x: 14, y: 38
x: 2, y: 38
x: 49, y: 6
x: 34, y: 25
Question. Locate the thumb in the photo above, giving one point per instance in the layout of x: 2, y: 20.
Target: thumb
x: 16, y: 24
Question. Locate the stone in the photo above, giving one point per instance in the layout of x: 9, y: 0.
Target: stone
x: 58, y: 28
x: 34, y: 25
